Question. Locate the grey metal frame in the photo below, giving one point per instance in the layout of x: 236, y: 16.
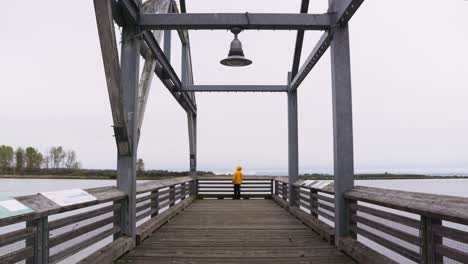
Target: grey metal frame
x: 128, y: 97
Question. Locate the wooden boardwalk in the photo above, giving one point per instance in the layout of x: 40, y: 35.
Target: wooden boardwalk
x: 234, y: 231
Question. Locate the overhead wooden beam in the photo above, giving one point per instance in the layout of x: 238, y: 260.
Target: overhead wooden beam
x: 210, y: 21
x: 313, y: 58
x: 105, y: 26
x: 150, y: 6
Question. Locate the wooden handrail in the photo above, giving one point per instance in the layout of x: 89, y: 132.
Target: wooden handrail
x: 42, y: 232
x: 420, y: 213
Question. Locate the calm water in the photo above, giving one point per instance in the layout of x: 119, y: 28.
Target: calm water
x: 18, y: 187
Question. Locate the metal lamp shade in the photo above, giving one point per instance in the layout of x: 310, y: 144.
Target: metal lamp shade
x: 236, y: 55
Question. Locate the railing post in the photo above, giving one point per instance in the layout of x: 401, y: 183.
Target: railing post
x: 155, y: 203
x: 40, y: 242
x: 352, y: 207
x: 194, y: 189
x: 119, y: 216
x: 276, y: 187
x: 429, y: 240
x: 182, y: 191
x: 314, y: 203
x: 271, y: 187
x: 171, y: 195
x: 285, y: 191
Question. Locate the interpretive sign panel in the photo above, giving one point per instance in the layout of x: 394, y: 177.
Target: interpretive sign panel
x: 69, y: 197
x: 11, y: 207
x: 321, y: 184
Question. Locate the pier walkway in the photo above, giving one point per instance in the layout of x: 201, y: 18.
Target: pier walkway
x: 234, y: 231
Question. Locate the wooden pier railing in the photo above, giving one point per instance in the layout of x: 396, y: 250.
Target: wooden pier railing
x: 406, y: 226
x: 53, y: 233
x: 221, y: 187
x: 386, y: 226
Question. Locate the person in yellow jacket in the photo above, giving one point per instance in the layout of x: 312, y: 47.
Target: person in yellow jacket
x: 237, y: 181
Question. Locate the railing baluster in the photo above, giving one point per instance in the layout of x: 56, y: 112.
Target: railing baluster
x: 352, y: 204
x: 40, y: 240
x: 155, y: 203
x: 271, y: 187
x: 314, y: 203
x: 429, y: 240
x: 182, y: 191
x: 171, y: 195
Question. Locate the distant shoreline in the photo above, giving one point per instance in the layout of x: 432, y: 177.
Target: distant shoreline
x: 382, y: 176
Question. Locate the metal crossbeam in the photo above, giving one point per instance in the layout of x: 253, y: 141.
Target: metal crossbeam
x: 229, y: 20
x: 313, y: 58
x: 166, y: 73
x: 346, y: 10
x: 235, y: 88
x: 299, y: 41
x: 130, y: 10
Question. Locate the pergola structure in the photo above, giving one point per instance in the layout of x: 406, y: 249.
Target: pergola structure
x: 142, y: 26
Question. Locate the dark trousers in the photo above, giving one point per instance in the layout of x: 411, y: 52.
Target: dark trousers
x: 237, y: 191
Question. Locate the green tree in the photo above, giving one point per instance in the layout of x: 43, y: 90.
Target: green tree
x: 19, y: 160
x: 6, y: 158
x: 70, y: 159
x: 33, y: 159
x: 140, y: 166
x: 57, y: 156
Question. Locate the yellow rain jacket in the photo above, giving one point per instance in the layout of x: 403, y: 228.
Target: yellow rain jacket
x: 237, y: 176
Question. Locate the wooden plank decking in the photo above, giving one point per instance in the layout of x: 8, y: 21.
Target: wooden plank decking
x: 234, y: 231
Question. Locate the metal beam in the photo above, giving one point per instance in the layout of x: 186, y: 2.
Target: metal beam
x: 293, y: 151
x: 342, y: 128
x: 344, y: 10
x: 229, y: 20
x: 167, y: 74
x: 313, y: 58
x: 299, y: 41
x: 183, y: 8
x: 235, y: 88
x: 183, y: 34
x: 130, y: 11
x: 110, y: 57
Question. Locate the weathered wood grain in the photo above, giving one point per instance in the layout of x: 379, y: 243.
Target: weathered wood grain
x: 17, y: 235
x: 234, y: 231
x: 361, y: 252
x: 325, y: 231
x: 145, y: 230
x: 111, y: 252
x: 110, y: 57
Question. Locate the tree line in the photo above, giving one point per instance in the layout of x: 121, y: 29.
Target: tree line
x: 30, y: 160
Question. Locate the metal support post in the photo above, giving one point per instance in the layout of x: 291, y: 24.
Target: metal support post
x: 167, y: 44
x: 126, y: 165
x: 191, y: 117
x: 293, y: 161
x: 342, y: 125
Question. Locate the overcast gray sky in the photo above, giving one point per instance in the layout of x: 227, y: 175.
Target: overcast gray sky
x: 409, y: 62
